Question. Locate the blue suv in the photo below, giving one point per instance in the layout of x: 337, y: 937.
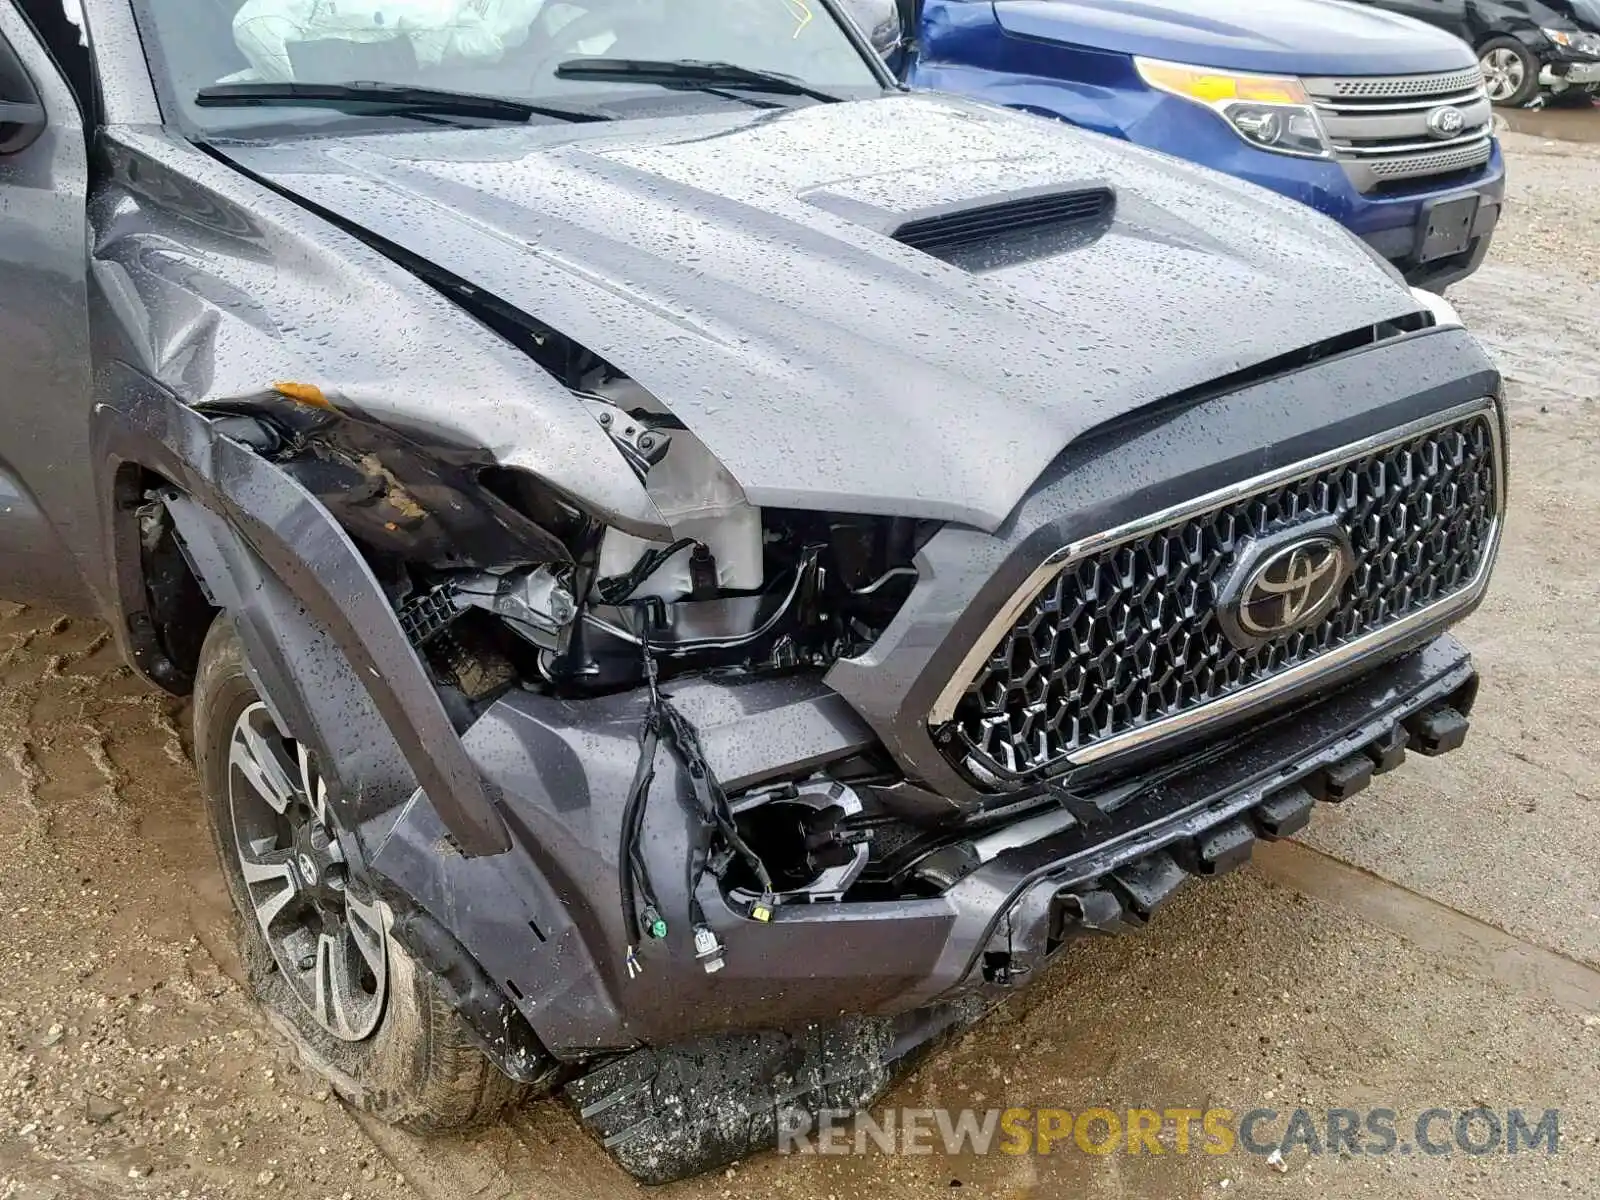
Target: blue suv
x: 1375, y: 119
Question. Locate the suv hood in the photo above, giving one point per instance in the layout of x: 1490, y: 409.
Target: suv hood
x: 1294, y: 37
x: 1584, y: 13
x: 739, y: 267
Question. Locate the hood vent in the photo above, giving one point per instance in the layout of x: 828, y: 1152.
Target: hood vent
x: 1011, y: 231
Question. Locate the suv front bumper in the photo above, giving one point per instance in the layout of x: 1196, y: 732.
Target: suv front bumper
x: 665, y: 1112
x: 1394, y: 221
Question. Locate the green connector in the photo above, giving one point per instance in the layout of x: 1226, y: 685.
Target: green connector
x: 655, y: 926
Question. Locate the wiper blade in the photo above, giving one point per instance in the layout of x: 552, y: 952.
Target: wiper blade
x: 689, y: 73
x: 401, y: 97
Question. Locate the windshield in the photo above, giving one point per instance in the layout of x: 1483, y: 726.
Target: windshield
x: 502, y: 48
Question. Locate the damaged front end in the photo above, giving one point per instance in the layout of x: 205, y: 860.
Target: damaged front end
x: 650, y: 757
x: 710, y: 755
x: 507, y: 591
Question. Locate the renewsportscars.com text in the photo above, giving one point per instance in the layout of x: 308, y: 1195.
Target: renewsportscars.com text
x: 1374, y: 1131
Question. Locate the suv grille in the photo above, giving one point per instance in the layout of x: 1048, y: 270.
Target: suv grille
x: 1379, y: 128
x: 1127, y: 636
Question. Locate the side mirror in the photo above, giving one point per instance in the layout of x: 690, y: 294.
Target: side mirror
x: 880, y: 21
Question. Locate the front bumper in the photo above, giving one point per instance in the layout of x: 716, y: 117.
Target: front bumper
x: 1200, y: 817
x: 1570, y: 71
x: 1394, y: 221
x: 543, y: 918
x: 1414, y: 247
x: 665, y: 1112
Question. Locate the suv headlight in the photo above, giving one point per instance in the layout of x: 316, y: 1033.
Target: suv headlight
x: 1575, y: 39
x: 1271, y: 112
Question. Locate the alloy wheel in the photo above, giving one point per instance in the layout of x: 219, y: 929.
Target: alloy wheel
x: 328, y: 940
x: 1503, y: 74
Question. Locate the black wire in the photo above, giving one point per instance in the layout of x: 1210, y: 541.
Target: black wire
x: 633, y: 876
x: 617, y: 588
x: 695, y: 871
x: 707, y: 804
x: 711, y: 799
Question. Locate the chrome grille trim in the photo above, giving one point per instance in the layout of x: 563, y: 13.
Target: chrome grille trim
x: 1390, y: 149
x: 1469, y: 96
x: 1378, y: 126
x: 1244, y: 699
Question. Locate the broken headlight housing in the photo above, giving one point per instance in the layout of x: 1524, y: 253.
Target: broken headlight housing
x: 1577, y: 40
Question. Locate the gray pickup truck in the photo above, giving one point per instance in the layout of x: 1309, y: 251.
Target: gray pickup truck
x: 698, y: 570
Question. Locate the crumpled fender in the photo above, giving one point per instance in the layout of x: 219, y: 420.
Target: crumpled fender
x: 217, y: 287
x: 318, y: 630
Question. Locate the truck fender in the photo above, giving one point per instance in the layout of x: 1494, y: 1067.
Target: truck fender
x: 318, y: 630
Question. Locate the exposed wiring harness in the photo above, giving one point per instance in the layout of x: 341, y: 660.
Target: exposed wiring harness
x: 717, y: 842
x: 619, y: 588
x: 633, y: 874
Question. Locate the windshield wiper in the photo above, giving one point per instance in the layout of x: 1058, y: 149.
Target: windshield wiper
x: 689, y: 73
x: 393, y: 97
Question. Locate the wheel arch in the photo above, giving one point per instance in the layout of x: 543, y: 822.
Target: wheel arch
x: 318, y: 630
x: 322, y: 648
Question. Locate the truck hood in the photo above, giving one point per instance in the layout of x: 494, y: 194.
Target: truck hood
x: 739, y: 266
x: 1294, y: 37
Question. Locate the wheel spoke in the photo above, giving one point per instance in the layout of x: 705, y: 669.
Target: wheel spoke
x: 271, y: 884
x: 316, y: 791
x: 366, y: 930
x: 325, y: 985
x: 340, y: 1003
x: 253, y: 758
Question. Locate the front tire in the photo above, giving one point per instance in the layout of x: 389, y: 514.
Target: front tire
x: 317, y: 945
x: 1510, y: 71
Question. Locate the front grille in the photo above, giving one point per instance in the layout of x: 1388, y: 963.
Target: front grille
x: 1439, y: 162
x: 1395, y: 87
x: 1379, y: 125
x: 1126, y: 637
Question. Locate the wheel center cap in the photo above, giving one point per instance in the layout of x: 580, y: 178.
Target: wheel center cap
x: 317, y: 863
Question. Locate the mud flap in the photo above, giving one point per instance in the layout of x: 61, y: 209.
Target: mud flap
x: 670, y: 1112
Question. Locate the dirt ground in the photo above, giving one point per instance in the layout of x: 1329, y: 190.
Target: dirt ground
x: 1435, y: 942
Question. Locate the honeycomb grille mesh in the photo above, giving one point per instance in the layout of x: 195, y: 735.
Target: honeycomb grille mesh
x: 1438, y: 162
x: 1396, y: 86
x: 1129, y: 636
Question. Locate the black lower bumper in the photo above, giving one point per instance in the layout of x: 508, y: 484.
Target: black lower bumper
x: 1415, y: 253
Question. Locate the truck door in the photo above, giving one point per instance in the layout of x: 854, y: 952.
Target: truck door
x: 44, y: 342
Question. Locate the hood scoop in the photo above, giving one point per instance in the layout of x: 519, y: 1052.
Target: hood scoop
x: 987, y: 237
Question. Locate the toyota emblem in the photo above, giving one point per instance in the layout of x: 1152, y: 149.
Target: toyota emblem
x: 1283, y: 583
